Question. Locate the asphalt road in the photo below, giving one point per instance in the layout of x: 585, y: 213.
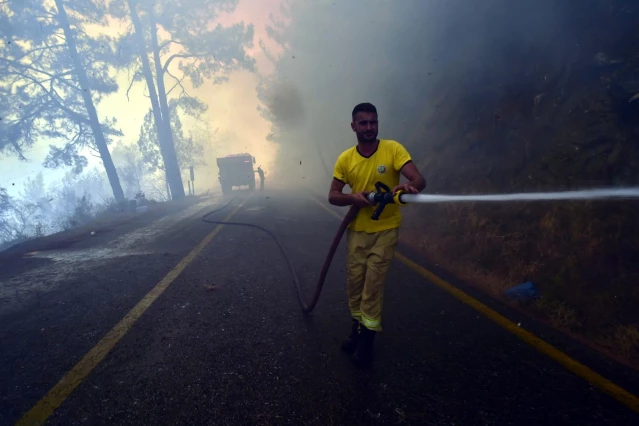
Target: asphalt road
x: 226, y: 342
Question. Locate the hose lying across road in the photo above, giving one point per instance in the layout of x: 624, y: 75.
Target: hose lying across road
x: 306, y: 307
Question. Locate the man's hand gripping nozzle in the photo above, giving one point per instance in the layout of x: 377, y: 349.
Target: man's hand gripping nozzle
x: 383, y: 196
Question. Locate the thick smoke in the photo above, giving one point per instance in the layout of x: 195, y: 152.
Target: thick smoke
x: 284, y: 102
x: 405, y: 57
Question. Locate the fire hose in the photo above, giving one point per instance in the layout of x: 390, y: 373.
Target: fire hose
x: 382, y: 196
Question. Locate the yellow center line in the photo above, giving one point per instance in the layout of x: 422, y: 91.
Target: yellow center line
x: 55, y: 397
x: 628, y: 399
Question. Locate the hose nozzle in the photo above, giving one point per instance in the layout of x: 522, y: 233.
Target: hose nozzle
x: 382, y: 197
x: 397, y: 199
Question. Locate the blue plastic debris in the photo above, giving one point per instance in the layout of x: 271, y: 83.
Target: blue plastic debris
x: 525, y: 291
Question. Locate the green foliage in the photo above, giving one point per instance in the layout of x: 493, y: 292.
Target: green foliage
x: 189, y: 147
x: 199, y: 51
x: 37, y: 75
x: 82, y: 213
x: 131, y: 168
x: 4, y: 200
x: 5, y: 206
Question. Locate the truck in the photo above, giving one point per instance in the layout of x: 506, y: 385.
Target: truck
x: 236, y: 170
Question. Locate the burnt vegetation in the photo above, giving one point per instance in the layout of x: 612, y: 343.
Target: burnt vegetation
x: 562, y: 115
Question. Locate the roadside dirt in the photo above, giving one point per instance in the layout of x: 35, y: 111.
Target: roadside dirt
x: 104, y: 224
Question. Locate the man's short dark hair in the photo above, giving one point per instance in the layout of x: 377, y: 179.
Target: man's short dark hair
x: 364, y: 107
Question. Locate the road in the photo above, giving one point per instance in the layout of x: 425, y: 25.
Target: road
x: 221, y: 340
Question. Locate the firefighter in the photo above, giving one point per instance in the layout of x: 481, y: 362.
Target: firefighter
x: 261, y: 173
x: 370, y: 243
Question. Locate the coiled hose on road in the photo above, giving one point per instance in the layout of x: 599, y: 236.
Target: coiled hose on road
x: 306, y: 306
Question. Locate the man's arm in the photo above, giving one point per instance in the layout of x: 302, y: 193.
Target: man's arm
x: 335, y: 195
x: 403, y: 163
x: 337, y: 198
x: 415, y: 179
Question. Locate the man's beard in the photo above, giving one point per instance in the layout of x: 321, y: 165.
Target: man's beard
x: 365, y: 139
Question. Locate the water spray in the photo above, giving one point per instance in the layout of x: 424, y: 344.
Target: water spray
x: 383, y: 196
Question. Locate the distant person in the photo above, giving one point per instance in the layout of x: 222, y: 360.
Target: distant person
x: 370, y: 243
x: 261, y: 173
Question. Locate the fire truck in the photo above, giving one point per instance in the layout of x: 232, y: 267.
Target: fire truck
x: 236, y: 170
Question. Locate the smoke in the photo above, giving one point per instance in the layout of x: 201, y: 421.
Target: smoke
x: 408, y: 58
x: 284, y: 102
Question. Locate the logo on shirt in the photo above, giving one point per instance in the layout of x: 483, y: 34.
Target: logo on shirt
x: 381, y: 169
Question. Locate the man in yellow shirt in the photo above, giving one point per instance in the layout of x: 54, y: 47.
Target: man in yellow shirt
x: 370, y: 243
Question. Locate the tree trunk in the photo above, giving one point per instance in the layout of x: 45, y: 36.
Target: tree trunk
x: 159, y: 76
x: 94, y: 121
x: 167, y: 149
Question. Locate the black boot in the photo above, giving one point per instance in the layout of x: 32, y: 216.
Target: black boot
x: 350, y: 344
x: 364, y: 354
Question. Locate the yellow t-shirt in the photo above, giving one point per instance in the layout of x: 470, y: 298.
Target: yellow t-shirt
x: 361, y: 173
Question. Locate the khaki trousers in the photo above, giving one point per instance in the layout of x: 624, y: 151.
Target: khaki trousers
x: 368, y: 259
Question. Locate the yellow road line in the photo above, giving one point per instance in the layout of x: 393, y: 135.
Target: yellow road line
x: 51, y: 401
x: 628, y: 399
